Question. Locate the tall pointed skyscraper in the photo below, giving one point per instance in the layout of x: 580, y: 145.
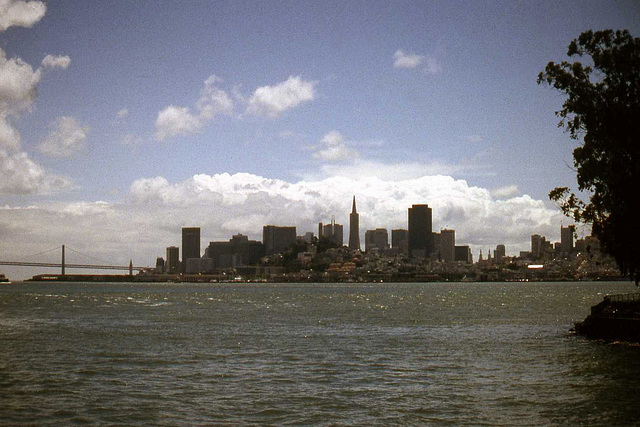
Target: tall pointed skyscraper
x: 354, y: 228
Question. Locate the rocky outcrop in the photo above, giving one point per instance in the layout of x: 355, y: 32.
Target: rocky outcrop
x: 616, y: 318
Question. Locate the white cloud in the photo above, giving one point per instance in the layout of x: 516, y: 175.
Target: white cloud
x: 121, y: 114
x: 173, y: 120
x: 504, y: 192
x: 407, y: 60
x: 66, y: 138
x: 21, y: 175
x: 272, y: 101
x: 413, y: 60
x: 20, y: 13
x: 57, y: 61
x: 213, y: 101
x: 335, y: 148
x: 18, y: 85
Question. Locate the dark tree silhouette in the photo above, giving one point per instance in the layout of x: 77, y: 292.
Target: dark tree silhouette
x: 602, y: 110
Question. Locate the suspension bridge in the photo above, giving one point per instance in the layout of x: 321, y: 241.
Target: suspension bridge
x: 63, y: 265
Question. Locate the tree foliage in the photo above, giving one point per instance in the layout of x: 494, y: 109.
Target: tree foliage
x: 602, y: 110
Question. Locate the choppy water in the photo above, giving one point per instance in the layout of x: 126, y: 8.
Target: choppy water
x: 330, y: 354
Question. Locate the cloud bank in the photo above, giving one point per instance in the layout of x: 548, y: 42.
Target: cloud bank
x: 18, y: 89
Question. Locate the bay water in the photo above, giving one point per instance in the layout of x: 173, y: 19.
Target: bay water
x: 311, y: 354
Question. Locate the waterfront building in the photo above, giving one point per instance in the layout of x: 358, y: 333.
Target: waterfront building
x: 463, y: 253
x: 238, y: 251
x: 159, y: 265
x: 420, y: 234
x: 447, y: 245
x: 333, y: 232
x: 376, y: 239
x: 499, y: 254
x: 400, y: 240
x: 277, y: 239
x: 172, y: 263
x: 190, y: 245
x: 566, y: 239
x: 354, y: 228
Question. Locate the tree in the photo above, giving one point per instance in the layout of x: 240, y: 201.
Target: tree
x: 602, y: 110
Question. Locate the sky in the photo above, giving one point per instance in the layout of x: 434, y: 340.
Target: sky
x: 121, y: 122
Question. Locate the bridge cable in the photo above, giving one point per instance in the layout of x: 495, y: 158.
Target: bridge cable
x: 88, y: 256
x: 45, y: 252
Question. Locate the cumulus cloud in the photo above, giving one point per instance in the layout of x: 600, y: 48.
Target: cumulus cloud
x: 272, y: 101
x: 334, y: 148
x: 21, y: 175
x: 407, y: 60
x: 225, y: 204
x: 15, y: 13
x: 174, y: 120
x: 57, y: 61
x: 504, y: 192
x: 413, y: 60
x: 18, y: 85
x: 66, y: 138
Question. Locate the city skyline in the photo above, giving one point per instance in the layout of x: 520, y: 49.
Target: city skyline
x: 120, y: 123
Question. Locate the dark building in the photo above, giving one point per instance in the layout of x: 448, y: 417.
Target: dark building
x: 447, y: 245
x: 420, y: 234
x: 354, y: 228
x: 190, y: 245
x: 277, y: 239
x: 463, y: 253
x: 172, y: 263
x: 238, y: 251
x: 376, y: 239
x: 333, y: 232
x: 499, y: 254
x: 400, y: 240
x: 566, y: 239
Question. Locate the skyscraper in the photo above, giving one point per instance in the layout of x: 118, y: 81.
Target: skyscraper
x: 420, y: 234
x: 448, y: 245
x: 173, y: 260
x: 277, y: 239
x: 334, y: 232
x: 566, y: 239
x: 190, y: 245
x: 354, y: 228
x: 376, y: 239
x: 400, y: 240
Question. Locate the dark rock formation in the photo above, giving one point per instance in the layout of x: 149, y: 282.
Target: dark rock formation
x: 617, y: 318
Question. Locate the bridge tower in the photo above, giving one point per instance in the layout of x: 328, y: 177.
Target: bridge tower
x: 63, y: 260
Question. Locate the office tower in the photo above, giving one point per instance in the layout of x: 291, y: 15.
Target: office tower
x: 190, y: 245
x: 172, y: 264
x: 277, y: 239
x: 420, y: 234
x: 400, y: 240
x: 376, y: 239
x: 536, y: 245
x: 159, y: 265
x: 333, y: 232
x: 354, y: 228
x: 463, y: 253
x: 447, y: 245
x: 319, y: 230
x: 499, y: 254
x: 238, y: 251
x: 566, y: 239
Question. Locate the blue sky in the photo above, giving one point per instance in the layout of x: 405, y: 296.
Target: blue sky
x: 148, y: 114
